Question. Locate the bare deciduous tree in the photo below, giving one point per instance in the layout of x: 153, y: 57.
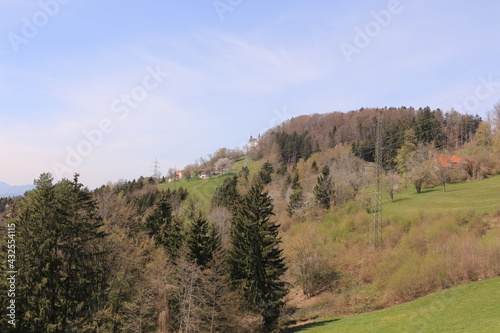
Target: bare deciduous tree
x: 347, y: 173
x: 442, y: 174
x: 391, y: 181
x: 420, y: 167
x: 221, y: 217
x: 189, y: 296
x: 171, y: 173
x: 312, y: 271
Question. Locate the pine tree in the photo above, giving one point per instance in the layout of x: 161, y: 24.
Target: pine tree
x: 323, y: 191
x: 244, y: 173
x: 60, y: 278
x: 256, y: 262
x: 202, y: 241
x: 164, y: 227
x: 227, y: 194
x: 296, y: 197
x: 267, y: 167
x: 83, y: 263
x: 293, y: 147
x: 265, y: 172
x: 428, y: 129
x: 314, y: 167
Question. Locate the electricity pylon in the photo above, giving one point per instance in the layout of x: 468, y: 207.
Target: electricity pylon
x: 376, y: 227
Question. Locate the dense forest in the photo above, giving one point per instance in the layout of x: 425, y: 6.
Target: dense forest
x: 129, y: 257
x: 301, y: 136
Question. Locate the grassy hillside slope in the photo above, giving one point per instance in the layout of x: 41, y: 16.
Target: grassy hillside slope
x: 431, y: 241
x: 470, y: 308
x: 482, y: 196
x: 204, y: 189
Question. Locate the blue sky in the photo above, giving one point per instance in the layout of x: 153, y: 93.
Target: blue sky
x: 208, y: 74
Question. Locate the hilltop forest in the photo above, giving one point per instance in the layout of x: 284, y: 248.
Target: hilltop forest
x: 254, y: 241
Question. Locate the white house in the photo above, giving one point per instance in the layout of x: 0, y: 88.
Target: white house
x: 253, y: 142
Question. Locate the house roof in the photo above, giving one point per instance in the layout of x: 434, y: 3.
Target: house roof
x: 450, y: 161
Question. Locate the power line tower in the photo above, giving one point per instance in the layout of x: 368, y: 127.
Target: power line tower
x: 156, y: 169
x: 376, y: 227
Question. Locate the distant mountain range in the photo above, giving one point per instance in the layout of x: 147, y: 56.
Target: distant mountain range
x: 7, y: 190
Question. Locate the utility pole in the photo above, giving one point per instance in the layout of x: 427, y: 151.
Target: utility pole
x: 376, y: 227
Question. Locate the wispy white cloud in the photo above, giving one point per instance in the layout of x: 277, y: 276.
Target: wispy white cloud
x: 224, y: 62
x: 240, y: 65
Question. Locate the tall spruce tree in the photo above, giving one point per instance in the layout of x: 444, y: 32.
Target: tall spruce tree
x: 265, y: 172
x: 227, y: 194
x: 256, y: 263
x: 296, y: 197
x: 323, y: 190
x: 164, y: 227
x: 60, y: 278
x: 244, y: 173
x: 202, y: 241
x: 428, y: 129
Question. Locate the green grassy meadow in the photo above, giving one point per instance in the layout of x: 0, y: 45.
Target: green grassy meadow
x: 482, y: 196
x: 474, y: 307
x: 204, y: 189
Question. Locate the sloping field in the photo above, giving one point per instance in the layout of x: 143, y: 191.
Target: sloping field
x: 204, y: 189
x: 478, y: 195
x: 470, y: 308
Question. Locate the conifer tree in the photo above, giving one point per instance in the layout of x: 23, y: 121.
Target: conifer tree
x: 314, y: 167
x: 267, y: 167
x: 256, y: 262
x: 202, y: 241
x: 244, y: 173
x: 227, y: 194
x: 428, y: 128
x: 164, y: 227
x: 323, y: 191
x: 265, y: 172
x: 60, y: 278
x: 296, y: 197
